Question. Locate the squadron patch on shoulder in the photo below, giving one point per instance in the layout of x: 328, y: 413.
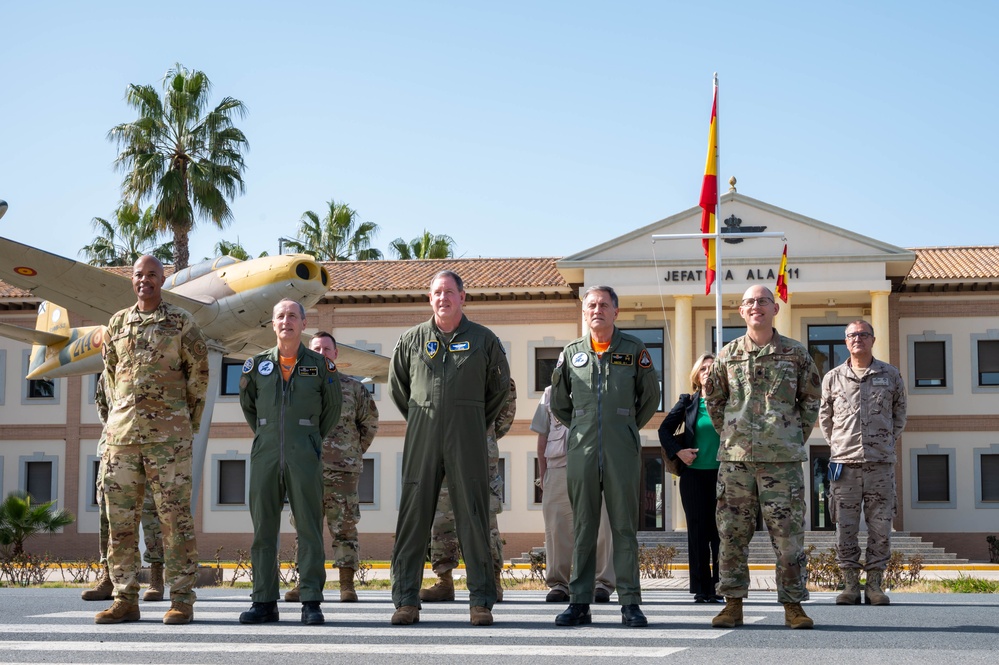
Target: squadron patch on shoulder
x: 248, y: 366
x: 561, y: 359
x: 458, y: 346
x: 330, y: 366
x: 580, y: 359
x: 644, y: 359
x: 200, y: 349
x: 622, y: 359
x: 304, y: 370
x: 265, y: 367
x: 432, y: 348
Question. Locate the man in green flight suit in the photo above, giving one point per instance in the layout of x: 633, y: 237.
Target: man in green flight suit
x: 604, y: 389
x: 291, y: 399
x: 449, y: 378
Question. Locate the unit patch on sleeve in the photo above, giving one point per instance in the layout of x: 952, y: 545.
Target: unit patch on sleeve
x: 622, y: 359
x: 330, y: 365
x: 644, y: 359
x: 248, y: 366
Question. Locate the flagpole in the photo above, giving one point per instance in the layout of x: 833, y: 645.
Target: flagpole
x: 719, y: 275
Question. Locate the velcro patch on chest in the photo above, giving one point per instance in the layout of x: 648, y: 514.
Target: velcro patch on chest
x: 305, y: 370
x: 622, y: 359
x: 458, y: 346
x: 880, y: 381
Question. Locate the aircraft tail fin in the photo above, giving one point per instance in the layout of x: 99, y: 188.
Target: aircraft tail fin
x: 51, y: 332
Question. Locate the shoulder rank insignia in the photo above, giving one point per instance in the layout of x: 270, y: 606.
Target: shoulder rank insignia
x: 248, y: 366
x: 644, y: 359
x: 432, y: 348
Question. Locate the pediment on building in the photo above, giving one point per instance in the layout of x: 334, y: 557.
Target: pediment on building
x: 809, y: 241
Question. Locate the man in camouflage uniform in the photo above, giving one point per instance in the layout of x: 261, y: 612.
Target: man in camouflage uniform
x: 156, y: 375
x: 444, y: 550
x: 449, y: 378
x: 290, y: 397
x: 604, y: 389
x: 343, y: 461
x: 763, y: 398
x: 152, y: 535
x: 861, y: 417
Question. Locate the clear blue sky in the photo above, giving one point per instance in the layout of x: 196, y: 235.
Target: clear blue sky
x: 520, y: 128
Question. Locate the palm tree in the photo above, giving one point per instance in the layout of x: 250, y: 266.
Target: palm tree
x: 426, y: 246
x: 338, y: 236
x: 185, y: 157
x: 20, y: 519
x: 233, y: 249
x: 122, y: 241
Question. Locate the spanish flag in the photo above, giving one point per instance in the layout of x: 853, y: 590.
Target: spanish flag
x: 709, y: 193
x: 782, y: 276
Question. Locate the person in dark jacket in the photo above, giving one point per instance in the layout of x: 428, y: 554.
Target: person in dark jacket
x: 697, y: 448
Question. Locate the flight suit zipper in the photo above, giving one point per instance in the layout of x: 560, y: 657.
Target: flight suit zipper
x: 600, y: 419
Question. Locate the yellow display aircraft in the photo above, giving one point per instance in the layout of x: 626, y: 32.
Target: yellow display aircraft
x: 231, y: 300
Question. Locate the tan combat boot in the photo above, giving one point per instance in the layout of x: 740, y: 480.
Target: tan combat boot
x: 406, y: 615
x: 481, y: 616
x: 498, y: 577
x: 730, y: 616
x: 155, y: 590
x: 179, y: 613
x: 795, y: 617
x: 120, y: 612
x: 851, y: 588
x: 293, y: 595
x: 442, y: 591
x: 347, y: 593
x: 102, y: 589
x: 873, y: 595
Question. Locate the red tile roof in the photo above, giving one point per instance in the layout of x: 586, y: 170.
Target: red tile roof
x: 955, y: 263
x: 478, y: 274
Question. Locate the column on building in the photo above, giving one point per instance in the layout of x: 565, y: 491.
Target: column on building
x: 683, y: 344
x: 879, y: 319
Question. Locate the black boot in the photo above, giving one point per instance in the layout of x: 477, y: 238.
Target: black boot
x: 577, y: 614
x: 631, y: 616
x: 260, y: 613
x: 311, y: 614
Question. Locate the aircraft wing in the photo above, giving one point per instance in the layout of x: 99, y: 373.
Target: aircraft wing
x: 358, y: 362
x: 29, y: 336
x: 80, y: 287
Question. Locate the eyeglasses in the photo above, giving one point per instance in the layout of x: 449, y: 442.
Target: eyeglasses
x: 762, y: 302
x: 859, y: 335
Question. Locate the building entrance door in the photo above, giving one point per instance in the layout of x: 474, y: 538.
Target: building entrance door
x: 820, y: 518
x: 653, y: 503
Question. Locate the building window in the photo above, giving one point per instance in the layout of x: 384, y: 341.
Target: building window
x: 39, y: 477
x: 373, y: 388
x: 931, y: 365
x: 985, y: 362
x: 504, y: 465
x: 934, y: 475
x: 827, y: 346
x: 3, y: 374
x: 231, y: 371
x: 536, y: 494
x: 987, y: 477
x: 369, y: 485
x: 37, y: 391
x: 729, y: 333
x: 231, y: 481
x: 653, y: 339
x: 95, y: 470
x: 545, y: 358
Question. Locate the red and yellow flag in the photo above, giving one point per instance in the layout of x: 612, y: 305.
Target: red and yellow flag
x: 782, y: 276
x: 709, y: 194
